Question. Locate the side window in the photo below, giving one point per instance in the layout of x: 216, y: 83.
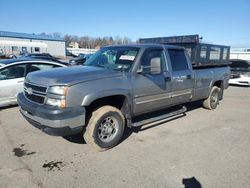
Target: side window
x: 56, y: 66
x: 225, y: 52
x: 14, y: 48
x: 12, y: 72
x: 178, y: 60
x: 37, y: 49
x: 214, y: 53
x: 203, y: 54
x: 39, y: 66
x: 153, y: 61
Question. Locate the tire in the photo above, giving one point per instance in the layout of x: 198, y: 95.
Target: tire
x: 105, y: 128
x: 212, y: 101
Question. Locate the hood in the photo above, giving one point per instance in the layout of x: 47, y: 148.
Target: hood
x: 70, y: 75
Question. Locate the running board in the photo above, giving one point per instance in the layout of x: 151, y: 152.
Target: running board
x: 161, y: 117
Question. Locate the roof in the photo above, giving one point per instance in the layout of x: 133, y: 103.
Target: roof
x: 10, y: 61
x: 28, y: 59
x: 172, y: 39
x: 240, y: 60
x: 178, y: 40
x: 146, y: 45
x: 239, y: 63
x: 29, y: 36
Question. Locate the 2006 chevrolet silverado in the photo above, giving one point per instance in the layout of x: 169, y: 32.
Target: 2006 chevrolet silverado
x: 116, y: 85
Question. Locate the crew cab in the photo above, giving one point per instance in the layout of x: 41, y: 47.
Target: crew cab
x: 114, y: 87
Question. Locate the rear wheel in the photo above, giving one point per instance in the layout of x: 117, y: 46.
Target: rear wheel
x: 105, y: 128
x: 212, y: 101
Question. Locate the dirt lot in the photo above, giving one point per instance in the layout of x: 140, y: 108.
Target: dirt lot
x: 202, y: 149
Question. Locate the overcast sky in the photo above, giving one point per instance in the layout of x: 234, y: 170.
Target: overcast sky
x: 217, y: 21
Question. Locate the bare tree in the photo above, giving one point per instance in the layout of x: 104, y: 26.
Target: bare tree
x: 57, y: 34
x: 92, y: 42
x: 43, y: 33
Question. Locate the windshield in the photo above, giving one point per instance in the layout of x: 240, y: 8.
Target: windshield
x: 116, y: 58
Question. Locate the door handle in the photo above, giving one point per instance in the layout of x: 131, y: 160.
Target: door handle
x: 20, y: 81
x: 189, y: 76
x: 167, y: 78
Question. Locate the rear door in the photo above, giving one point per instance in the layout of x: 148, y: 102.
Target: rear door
x: 182, y: 76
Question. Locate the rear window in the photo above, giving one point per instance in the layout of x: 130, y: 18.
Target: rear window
x: 178, y: 60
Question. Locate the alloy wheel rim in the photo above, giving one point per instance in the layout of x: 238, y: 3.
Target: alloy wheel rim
x: 214, y: 98
x: 108, y: 129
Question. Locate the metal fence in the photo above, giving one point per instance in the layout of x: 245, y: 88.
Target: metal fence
x: 77, y: 51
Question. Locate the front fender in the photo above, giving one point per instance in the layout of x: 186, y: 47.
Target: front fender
x: 89, y: 98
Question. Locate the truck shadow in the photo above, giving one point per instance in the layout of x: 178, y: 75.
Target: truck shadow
x: 8, y: 107
x: 78, y: 138
x: 190, y: 106
x: 129, y: 131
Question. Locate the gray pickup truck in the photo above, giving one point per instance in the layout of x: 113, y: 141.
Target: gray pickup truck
x: 114, y: 87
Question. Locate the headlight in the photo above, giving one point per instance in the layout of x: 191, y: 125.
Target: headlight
x: 56, y: 102
x: 58, y: 90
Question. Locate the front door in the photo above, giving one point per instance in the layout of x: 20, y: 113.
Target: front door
x: 151, y: 86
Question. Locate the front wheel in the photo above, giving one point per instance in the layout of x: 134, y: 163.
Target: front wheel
x: 213, y: 99
x: 105, y: 128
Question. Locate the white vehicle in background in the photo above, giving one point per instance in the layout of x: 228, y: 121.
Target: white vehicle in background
x: 13, y: 73
x: 242, y: 80
x: 240, y: 72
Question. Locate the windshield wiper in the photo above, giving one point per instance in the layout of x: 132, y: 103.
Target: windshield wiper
x: 97, y: 65
x: 120, y: 69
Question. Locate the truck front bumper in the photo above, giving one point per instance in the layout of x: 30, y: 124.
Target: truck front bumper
x: 52, y: 120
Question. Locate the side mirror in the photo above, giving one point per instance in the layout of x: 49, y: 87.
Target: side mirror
x: 148, y: 70
x: 144, y: 70
x: 155, y: 65
x: 140, y: 69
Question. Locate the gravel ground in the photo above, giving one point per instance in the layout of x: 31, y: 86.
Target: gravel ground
x: 202, y: 149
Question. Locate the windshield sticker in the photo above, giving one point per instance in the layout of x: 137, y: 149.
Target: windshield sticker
x: 127, y: 57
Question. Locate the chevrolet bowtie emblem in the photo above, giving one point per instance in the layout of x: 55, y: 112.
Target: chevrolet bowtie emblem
x: 30, y: 91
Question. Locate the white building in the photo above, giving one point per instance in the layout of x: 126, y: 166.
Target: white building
x: 18, y: 43
x: 73, y: 45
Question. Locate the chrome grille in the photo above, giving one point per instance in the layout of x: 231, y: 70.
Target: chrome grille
x: 35, y: 93
x: 35, y: 87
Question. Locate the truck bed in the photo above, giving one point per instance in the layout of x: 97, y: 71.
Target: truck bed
x: 203, y: 79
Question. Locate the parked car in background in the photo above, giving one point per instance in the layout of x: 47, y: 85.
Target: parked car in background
x: 43, y: 56
x: 80, y: 59
x: 240, y: 72
x: 4, y: 56
x: 39, y: 56
x: 13, y: 72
